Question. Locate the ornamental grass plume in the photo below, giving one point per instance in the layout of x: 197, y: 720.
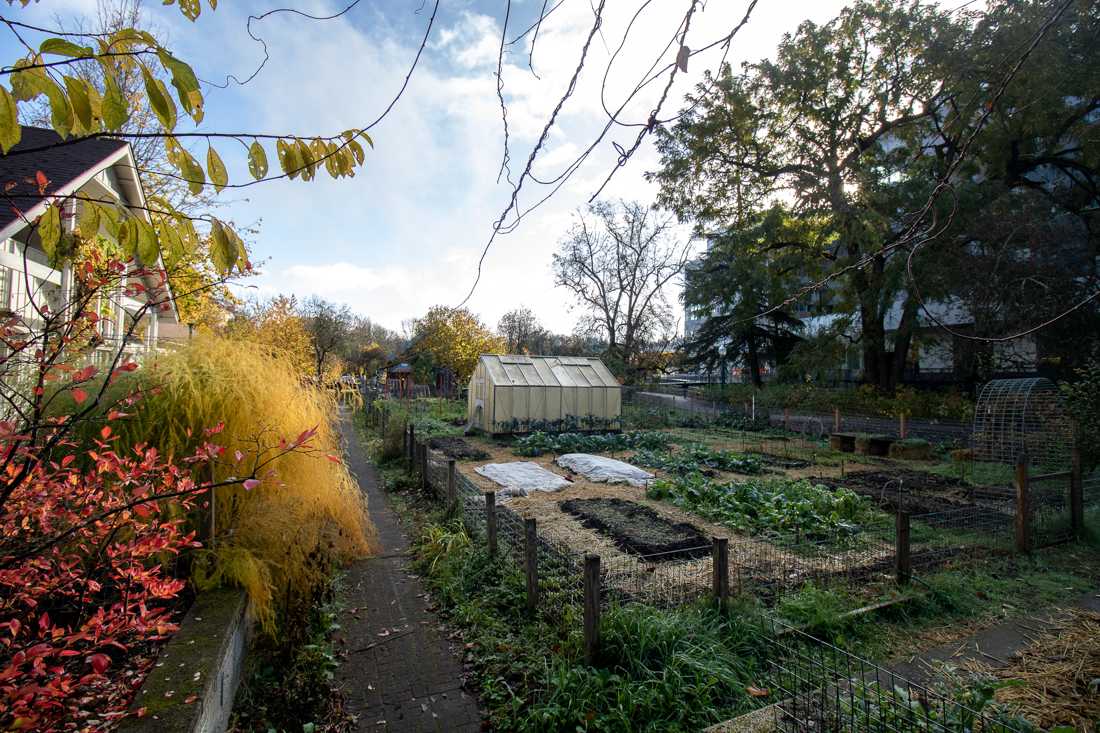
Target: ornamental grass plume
x: 279, y: 540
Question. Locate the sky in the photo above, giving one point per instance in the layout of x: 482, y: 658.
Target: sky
x: 406, y: 232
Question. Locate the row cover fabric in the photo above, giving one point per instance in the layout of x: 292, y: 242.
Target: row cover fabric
x: 604, y: 470
x: 521, y: 477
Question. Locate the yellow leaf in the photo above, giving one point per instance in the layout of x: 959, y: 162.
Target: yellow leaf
x: 257, y: 160
x: 10, y: 131
x: 214, y: 165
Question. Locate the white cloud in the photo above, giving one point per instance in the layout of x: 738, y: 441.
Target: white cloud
x: 406, y: 232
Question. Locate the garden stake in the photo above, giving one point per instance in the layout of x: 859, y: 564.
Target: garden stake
x: 591, y: 607
x: 720, y: 557
x: 452, y: 494
x: 1023, y: 510
x: 902, y: 559
x: 532, y: 563
x: 491, y: 521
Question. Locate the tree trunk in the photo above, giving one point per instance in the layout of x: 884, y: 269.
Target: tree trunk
x: 754, y: 362
x: 903, y: 340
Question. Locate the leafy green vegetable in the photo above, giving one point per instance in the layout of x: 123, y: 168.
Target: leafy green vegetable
x: 768, y: 505
x: 538, y: 443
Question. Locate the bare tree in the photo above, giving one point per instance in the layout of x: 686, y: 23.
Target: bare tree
x: 521, y: 329
x: 329, y: 326
x: 617, y: 259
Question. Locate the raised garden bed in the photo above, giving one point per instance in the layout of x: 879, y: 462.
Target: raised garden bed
x: 873, y: 445
x: 843, y: 442
x: 639, y: 530
x: 458, y: 449
x: 911, y: 449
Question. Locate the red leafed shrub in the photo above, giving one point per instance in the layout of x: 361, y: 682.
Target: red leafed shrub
x: 89, y: 540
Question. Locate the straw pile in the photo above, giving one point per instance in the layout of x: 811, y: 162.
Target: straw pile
x: 1060, y: 673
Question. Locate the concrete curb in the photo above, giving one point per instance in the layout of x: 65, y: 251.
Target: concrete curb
x: 202, y: 664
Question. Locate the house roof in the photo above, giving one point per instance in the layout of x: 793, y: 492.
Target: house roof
x: 547, y: 371
x: 63, y: 166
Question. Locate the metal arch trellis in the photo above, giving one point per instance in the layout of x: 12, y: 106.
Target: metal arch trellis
x: 1016, y: 417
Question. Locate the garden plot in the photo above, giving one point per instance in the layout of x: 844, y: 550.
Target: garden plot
x: 638, y: 529
x: 757, y: 558
x: 922, y: 493
x: 458, y: 449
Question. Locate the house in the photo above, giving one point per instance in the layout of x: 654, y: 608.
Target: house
x: 102, y: 169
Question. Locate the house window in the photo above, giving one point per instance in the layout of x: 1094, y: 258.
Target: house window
x: 7, y: 277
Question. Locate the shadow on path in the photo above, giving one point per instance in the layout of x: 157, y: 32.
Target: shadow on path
x: 398, y: 670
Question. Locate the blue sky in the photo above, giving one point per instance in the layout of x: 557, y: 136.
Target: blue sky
x: 406, y: 232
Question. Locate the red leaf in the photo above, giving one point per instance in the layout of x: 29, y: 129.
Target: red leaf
x: 105, y: 432
x: 79, y: 395
x: 41, y: 181
x: 100, y: 662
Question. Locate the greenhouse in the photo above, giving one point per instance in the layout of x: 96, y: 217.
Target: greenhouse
x: 518, y: 394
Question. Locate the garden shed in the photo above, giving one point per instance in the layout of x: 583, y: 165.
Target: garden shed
x: 517, y: 394
x: 1016, y: 417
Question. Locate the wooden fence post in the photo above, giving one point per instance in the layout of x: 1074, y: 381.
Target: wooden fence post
x: 531, y: 561
x: 720, y: 556
x: 385, y: 419
x: 591, y: 607
x: 452, y: 492
x: 423, y: 467
x: 903, y: 426
x: 1076, y: 494
x: 412, y: 448
x: 836, y: 419
x: 786, y: 418
x: 903, y: 565
x: 491, y: 521
x: 1023, y: 506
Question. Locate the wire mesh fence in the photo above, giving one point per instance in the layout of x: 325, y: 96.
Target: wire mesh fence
x: 653, y: 406
x: 823, y: 688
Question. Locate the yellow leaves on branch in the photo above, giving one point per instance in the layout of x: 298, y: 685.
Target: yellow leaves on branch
x: 83, y: 104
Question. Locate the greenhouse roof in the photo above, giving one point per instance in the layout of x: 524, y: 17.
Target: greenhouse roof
x: 547, y: 371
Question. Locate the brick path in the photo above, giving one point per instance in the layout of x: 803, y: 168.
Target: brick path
x: 399, y: 671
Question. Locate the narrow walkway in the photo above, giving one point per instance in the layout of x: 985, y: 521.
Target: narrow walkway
x: 398, y: 670
x: 994, y: 646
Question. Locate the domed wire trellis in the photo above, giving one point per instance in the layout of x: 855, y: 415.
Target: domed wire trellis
x: 1018, y: 416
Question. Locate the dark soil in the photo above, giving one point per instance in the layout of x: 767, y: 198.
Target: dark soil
x: 779, y: 461
x: 639, y: 530
x: 918, y: 492
x: 458, y: 449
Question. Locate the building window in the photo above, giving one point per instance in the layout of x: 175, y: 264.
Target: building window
x: 7, y: 278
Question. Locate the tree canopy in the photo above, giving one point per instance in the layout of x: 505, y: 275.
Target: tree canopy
x: 884, y: 130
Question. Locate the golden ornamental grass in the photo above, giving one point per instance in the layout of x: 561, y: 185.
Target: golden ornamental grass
x: 279, y: 540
